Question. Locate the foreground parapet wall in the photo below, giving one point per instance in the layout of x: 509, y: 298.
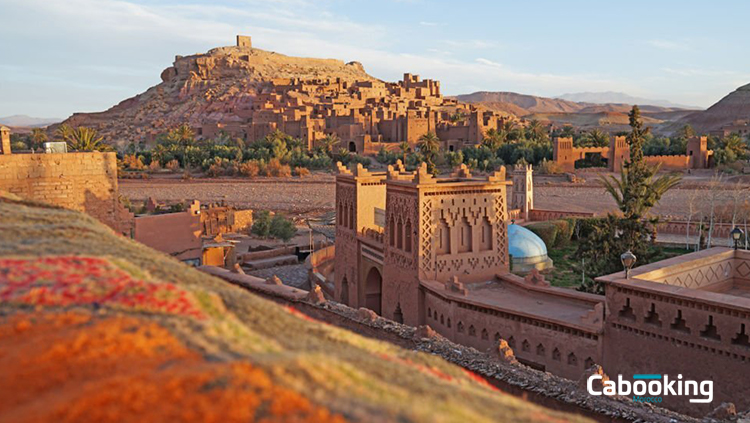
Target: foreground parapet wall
x: 84, y: 182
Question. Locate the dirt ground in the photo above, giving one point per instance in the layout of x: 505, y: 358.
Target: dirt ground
x: 315, y: 194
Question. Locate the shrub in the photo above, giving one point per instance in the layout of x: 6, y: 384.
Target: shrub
x: 548, y: 167
x: 547, y: 231
x: 282, y: 228
x: 130, y: 161
x: 154, y: 165
x: 564, y: 232
x: 250, y: 168
x: 301, y: 171
x: 218, y: 167
x: 387, y: 157
x: 261, y: 224
x: 275, y: 168
x: 173, y: 165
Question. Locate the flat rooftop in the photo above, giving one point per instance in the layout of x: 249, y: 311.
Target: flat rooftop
x: 555, y: 305
x: 718, y: 274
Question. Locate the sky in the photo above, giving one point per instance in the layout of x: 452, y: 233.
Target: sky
x: 58, y: 57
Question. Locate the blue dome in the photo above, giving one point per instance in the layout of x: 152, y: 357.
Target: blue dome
x: 522, y: 243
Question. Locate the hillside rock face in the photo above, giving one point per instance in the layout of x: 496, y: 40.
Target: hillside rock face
x: 520, y: 104
x: 735, y: 106
x: 207, y: 87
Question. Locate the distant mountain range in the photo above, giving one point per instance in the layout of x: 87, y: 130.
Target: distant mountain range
x: 735, y: 106
x: 27, y: 121
x: 612, y: 97
x: 585, y: 115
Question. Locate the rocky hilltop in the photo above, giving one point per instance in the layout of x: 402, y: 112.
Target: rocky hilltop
x: 735, y: 106
x: 206, y: 87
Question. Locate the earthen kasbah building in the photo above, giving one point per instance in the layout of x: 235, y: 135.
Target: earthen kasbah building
x: 427, y: 250
x: 365, y: 114
x: 697, y: 156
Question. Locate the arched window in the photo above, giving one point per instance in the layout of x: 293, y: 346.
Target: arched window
x: 399, y: 234
x: 460, y: 327
x: 572, y: 359
x: 472, y: 331
x: 407, y: 236
x: 485, y: 335
x: 391, y: 232
x: 540, y: 349
x: 351, y: 217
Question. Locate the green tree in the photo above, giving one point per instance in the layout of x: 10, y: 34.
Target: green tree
x: 282, y: 228
x: 685, y: 132
x: 429, y: 146
x: 38, y: 137
x: 64, y: 132
x: 329, y: 142
x: 598, y: 138
x: 183, y: 135
x: 535, y: 131
x: 404, y: 147
x: 638, y: 189
x: 494, y: 139
x: 86, y: 139
x: 261, y: 224
x: 635, y: 192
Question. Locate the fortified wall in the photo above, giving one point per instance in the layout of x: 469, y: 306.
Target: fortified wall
x: 85, y: 182
x: 618, y: 152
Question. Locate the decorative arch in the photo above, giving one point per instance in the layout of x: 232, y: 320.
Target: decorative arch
x: 344, y: 291
x: 407, y: 236
x: 373, y: 290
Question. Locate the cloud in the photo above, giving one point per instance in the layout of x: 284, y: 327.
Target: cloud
x: 119, y: 46
x: 668, y: 45
x: 471, y: 44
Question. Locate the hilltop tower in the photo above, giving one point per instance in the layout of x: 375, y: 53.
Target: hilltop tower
x: 244, y: 41
x: 522, y: 197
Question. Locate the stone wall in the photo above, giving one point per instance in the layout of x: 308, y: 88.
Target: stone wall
x: 537, y: 215
x: 176, y: 234
x: 85, y: 182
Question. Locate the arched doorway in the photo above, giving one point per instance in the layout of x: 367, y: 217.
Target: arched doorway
x: 373, y: 287
x: 344, y: 291
x: 352, y: 147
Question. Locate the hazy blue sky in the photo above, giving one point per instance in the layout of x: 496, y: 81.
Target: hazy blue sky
x: 62, y: 56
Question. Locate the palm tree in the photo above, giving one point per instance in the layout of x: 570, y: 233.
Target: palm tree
x: 86, y: 139
x: 736, y: 145
x: 183, y: 134
x: 64, y: 132
x: 404, y: 147
x: 494, y: 139
x: 635, y: 203
x: 38, y: 137
x: 511, y: 129
x: 429, y: 145
x: 535, y: 130
x: 330, y: 141
x: 598, y: 138
x: 637, y: 191
x: 685, y: 132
